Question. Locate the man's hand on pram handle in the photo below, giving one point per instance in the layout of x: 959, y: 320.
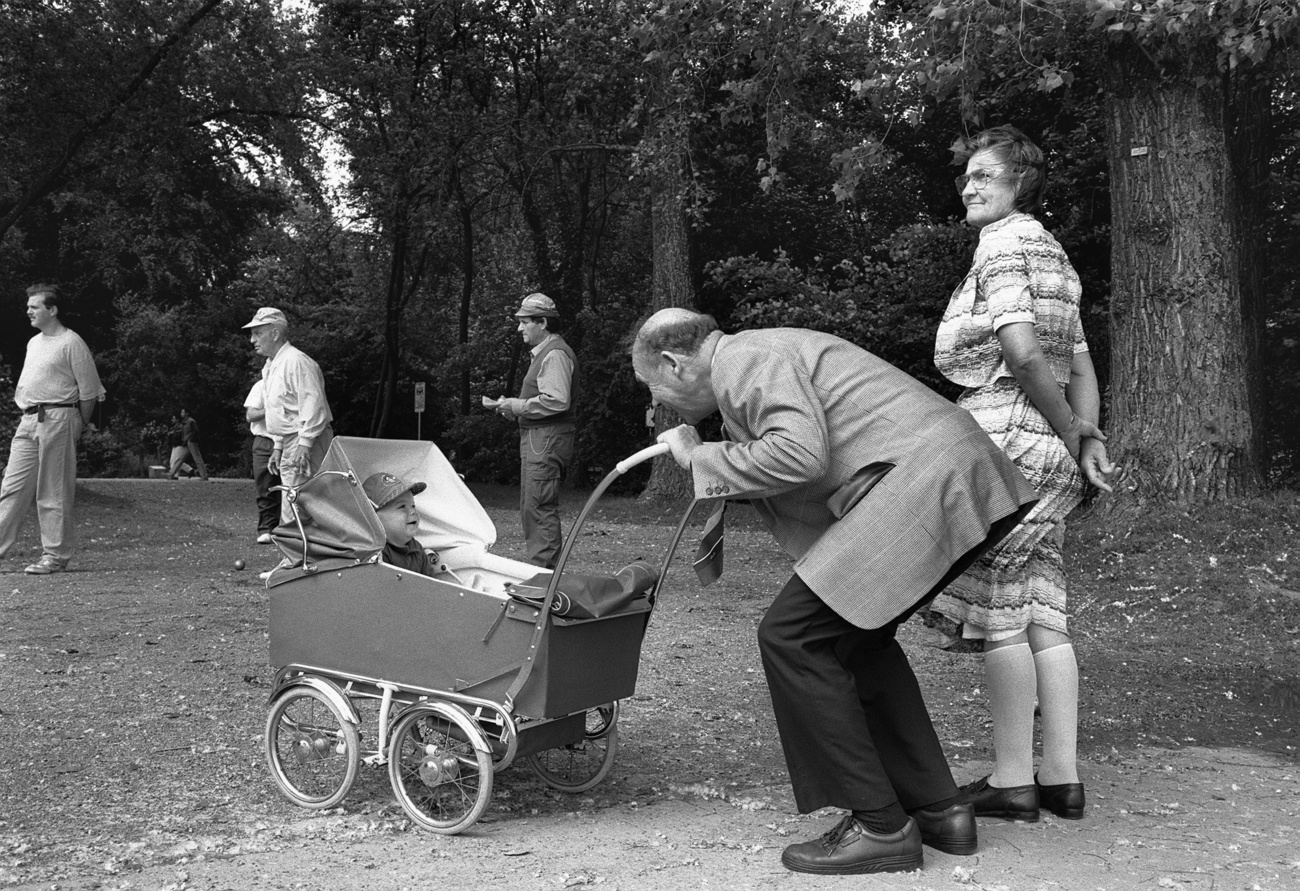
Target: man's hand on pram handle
x: 682, y: 439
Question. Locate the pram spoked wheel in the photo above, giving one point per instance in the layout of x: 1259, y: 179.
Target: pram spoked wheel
x: 440, y: 765
x: 579, y: 766
x: 312, y: 749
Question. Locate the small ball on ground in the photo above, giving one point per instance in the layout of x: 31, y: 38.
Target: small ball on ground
x: 240, y: 564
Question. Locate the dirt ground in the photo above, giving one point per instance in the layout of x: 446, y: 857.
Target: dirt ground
x: 136, y: 684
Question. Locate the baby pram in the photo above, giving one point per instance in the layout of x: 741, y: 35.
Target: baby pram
x: 491, y: 660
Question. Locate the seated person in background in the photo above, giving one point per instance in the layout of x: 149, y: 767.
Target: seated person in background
x: 394, y: 502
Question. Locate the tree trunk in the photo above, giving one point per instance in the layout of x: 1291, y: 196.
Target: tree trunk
x: 466, y: 295
x: 1184, y: 422
x: 671, y: 285
x: 392, y: 329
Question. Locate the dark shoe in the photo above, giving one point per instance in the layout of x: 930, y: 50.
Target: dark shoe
x: 951, y: 830
x: 1011, y: 803
x: 1065, y: 800
x: 850, y: 849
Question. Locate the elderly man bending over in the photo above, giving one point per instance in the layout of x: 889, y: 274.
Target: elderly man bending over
x: 882, y: 492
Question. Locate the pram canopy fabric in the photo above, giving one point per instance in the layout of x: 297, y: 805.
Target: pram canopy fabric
x: 341, y: 525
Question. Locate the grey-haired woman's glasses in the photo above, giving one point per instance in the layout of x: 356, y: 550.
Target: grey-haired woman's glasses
x: 980, y: 179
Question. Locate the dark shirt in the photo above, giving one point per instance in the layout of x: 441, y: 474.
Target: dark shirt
x: 189, y: 430
x: 411, y: 556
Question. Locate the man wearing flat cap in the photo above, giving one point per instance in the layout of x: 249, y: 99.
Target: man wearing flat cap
x: 545, y: 412
x: 298, y: 416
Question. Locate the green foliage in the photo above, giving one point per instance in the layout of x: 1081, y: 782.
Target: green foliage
x: 193, y: 357
x: 611, y: 415
x: 101, y: 453
x: 890, y: 304
x: 483, y: 447
x: 492, y: 150
x: 9, y: 413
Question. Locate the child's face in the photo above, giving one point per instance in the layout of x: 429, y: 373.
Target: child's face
x: 400, y: 519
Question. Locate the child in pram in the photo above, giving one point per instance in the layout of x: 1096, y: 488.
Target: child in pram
x: 394, y: 503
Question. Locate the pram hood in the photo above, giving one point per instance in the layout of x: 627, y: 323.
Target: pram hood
x: 341, y: 525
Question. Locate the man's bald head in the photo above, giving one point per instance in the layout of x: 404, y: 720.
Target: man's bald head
x: 674, y: 330
x: 672, y: 355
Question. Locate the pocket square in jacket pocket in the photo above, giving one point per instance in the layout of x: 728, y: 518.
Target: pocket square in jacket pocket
x: 856, y: 487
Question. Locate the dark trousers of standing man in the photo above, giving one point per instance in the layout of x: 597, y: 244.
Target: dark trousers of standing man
x: 853, y: 724
x: 268, y: 502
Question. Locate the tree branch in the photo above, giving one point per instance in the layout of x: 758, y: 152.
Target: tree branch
x: 47, y: 181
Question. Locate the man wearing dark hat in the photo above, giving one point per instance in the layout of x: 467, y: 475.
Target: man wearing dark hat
x: 394, y: 502
x: 545, y: 412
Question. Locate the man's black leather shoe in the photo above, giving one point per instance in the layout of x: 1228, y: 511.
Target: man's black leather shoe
x: 1011, y: 803
x: 951, y: 830
x: 1065, y: 800
x: 850, y: 849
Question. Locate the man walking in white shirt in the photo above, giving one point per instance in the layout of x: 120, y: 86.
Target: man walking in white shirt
x: 298, y: 416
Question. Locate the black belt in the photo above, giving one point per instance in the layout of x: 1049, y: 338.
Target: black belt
x: 39, y: 410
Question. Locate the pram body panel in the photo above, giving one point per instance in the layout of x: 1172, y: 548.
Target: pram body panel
x: 381, y: 621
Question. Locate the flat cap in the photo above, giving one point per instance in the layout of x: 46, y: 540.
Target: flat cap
x: 267, y: 315
x: 538, y: 305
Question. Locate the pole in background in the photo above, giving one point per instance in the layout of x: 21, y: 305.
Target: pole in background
x: 419, y: 408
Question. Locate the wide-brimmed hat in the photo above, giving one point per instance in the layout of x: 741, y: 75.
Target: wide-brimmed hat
x: 267, y: 315
x: 381, y: 488
x: 538, y: 305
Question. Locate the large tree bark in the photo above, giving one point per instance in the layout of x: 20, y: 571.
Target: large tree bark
x: 671, y: 285
x: 1185, y: 390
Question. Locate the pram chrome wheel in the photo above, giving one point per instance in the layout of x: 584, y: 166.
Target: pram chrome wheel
x: 440, y: 766
x: 579, y: 766
x: 312, y: 749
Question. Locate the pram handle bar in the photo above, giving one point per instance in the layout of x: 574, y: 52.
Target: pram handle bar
x: 544, y: 609
x: 654, y: 451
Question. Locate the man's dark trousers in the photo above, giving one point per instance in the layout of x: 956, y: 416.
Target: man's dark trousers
x: 268, y: 502
x: 853, y: 723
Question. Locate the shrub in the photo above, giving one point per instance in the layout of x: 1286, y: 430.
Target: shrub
x: 889, y: 304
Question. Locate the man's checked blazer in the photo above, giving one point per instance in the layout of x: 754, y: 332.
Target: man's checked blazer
x: 804, y: 410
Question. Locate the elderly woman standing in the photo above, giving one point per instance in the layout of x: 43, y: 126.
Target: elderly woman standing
x: 1011, y: 336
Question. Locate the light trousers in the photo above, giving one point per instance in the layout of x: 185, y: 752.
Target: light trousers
x: 189, y: 450
x: 42, y: 469
x: 291, y: 479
